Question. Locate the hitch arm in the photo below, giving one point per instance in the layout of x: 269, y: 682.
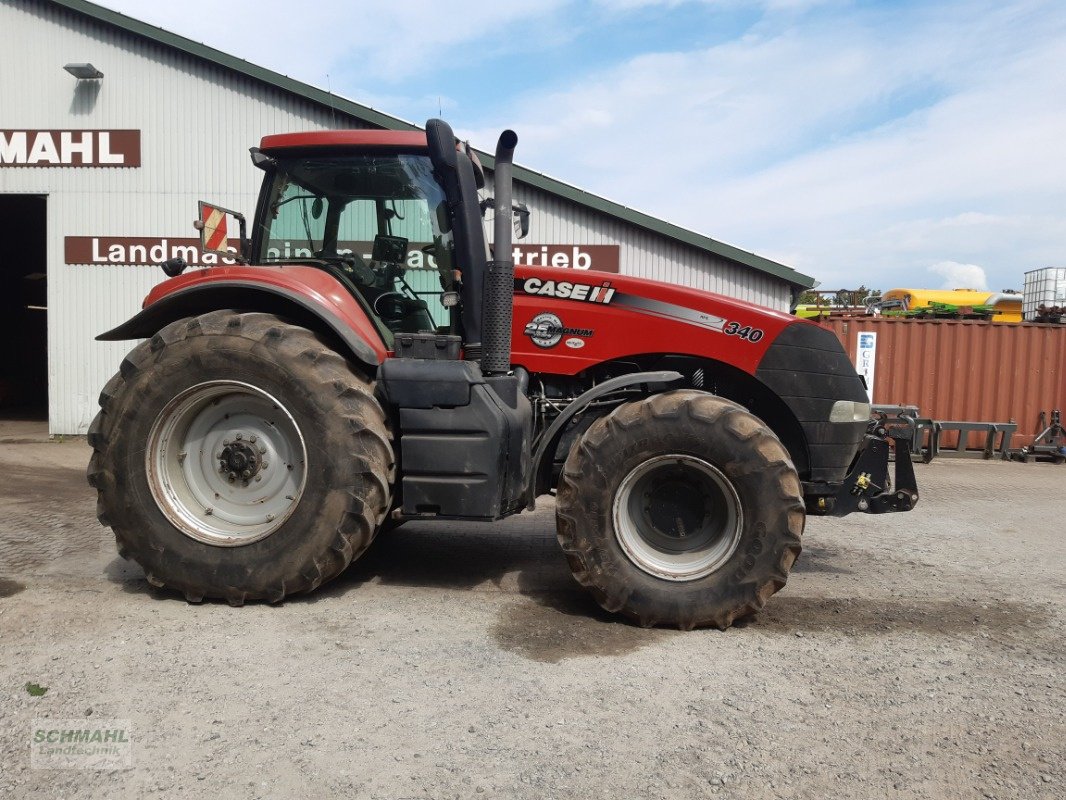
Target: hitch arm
x: 865, y: 487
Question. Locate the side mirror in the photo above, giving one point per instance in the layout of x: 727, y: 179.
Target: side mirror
x: 520, y: 212
x: 521, y: 220
x: 261, y: 159
x: 214, y: 230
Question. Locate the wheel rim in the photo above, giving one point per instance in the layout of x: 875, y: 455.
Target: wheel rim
x: 677, y: 517
x: 226, y: 463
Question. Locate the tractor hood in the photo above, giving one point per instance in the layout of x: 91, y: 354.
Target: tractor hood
x: 566, y: 321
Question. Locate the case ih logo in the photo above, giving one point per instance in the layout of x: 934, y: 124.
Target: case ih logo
x: 25, y: 148
x: 566, y: 290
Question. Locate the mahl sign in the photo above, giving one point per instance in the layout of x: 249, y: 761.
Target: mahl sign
x: 25, y: 148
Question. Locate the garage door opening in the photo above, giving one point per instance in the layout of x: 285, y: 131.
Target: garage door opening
x: 23, y: 308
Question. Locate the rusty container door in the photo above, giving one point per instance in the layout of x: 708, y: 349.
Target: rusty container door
x: 963, y: 370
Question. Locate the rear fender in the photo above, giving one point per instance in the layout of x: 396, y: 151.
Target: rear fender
x: 305, y: 295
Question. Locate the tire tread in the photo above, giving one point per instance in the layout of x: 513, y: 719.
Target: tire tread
x: 582, y: 473
x: 318, y: 367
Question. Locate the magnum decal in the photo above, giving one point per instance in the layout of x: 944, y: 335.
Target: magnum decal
x: 546, y: 330
x: 692, y: 316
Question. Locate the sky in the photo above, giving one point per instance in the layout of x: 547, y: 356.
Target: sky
x: 890, y: 144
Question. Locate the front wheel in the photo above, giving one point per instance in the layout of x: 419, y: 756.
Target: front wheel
x: 682, y: 509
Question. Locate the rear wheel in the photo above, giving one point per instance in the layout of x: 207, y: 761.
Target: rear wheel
x: 682, y: 509
x: 236, y: 456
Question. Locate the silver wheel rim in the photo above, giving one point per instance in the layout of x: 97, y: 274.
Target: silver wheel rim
x: 677, y: 517
x: 226, y: 463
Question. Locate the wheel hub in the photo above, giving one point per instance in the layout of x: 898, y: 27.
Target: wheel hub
x: 675, y: 512
x: 677, y: 517
x: 241, y: 460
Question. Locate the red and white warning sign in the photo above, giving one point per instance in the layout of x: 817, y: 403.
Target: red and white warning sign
x: 212, y: 227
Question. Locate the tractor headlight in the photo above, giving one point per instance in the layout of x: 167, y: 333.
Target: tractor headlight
x: 849, y: 411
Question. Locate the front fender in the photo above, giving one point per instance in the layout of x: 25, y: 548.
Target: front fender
x: 306, y: 295
x: 540, y: 475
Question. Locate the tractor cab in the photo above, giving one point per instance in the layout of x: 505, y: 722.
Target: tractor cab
x: 395, y: 217
x: 366, y: 216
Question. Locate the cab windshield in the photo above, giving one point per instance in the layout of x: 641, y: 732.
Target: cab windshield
x: 379, y: 221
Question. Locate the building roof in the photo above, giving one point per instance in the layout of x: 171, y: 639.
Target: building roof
x: 374, y: 117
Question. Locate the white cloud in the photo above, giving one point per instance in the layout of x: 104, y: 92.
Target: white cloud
x: 377, y: 41
x: 788, y: 140
x: 960, y: 276
x: 781, y: 142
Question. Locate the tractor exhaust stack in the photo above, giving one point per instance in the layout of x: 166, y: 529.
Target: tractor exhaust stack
x: 499, y: 278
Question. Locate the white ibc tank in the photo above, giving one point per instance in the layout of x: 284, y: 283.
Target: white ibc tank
x: 1044, y: 288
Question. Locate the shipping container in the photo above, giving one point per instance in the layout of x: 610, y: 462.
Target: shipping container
x: 964, y: 371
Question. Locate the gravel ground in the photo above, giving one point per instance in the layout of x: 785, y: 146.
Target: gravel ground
x: 913, y: 655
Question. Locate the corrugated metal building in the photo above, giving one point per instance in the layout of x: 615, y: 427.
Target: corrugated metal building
x: 99, y: 178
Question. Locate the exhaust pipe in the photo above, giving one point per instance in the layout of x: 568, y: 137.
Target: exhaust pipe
x: 499, y: 279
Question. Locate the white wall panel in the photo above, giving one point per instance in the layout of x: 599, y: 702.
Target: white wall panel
x: 197, y: 122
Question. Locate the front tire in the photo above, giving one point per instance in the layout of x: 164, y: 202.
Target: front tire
x: 682, y: 509
x: 237, y: 456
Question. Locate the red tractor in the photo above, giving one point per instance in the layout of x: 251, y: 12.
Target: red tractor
x: 278, y: 416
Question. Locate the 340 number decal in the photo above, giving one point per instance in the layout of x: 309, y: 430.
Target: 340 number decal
x: 746, y: 332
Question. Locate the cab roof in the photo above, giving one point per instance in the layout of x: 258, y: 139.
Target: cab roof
x: 345, y: 138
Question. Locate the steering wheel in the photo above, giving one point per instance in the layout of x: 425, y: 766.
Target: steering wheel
x: 353, y: 262
x: 399, y: 309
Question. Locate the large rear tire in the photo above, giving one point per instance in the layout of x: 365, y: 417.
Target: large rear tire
x: 682, y: 509
x: 236, y: 456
